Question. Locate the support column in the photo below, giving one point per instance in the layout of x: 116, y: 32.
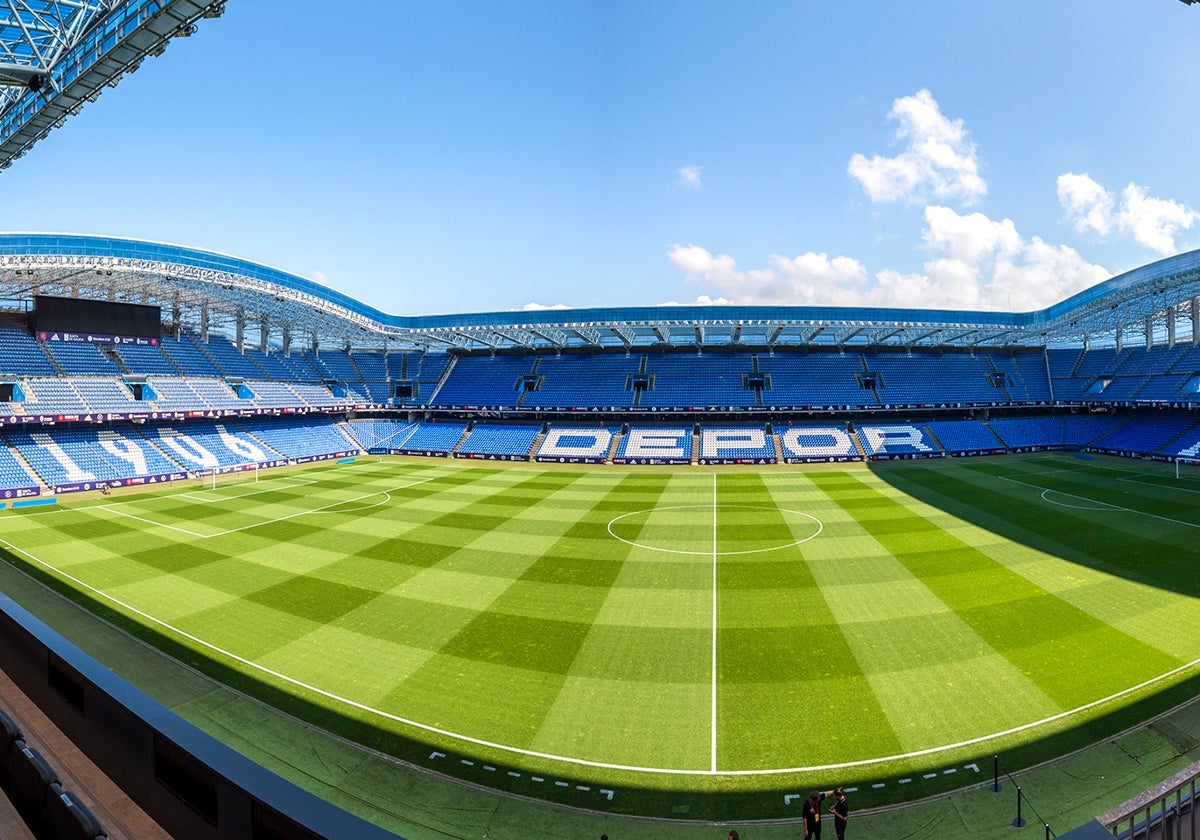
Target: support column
x: 1149, y: 331
x: 1170, y: 326
x: 287, y: 339
x: 264, y: 334
x: 204, y: 322
x: 1195, y: 320
x: 1120, y: 338
x: 241, y: 329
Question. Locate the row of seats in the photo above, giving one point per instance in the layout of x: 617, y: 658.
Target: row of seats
x: 82, y: 396
x: 780, y: 379
x: 784, y: 378
x: 218, y: 357
x: 68, y: 455
x: 32, y: 785
x: 1166, y: 434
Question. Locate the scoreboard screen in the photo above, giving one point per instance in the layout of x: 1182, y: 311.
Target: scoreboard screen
x: 60, y: 315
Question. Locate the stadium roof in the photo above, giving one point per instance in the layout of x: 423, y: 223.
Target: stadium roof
x: 208, y: 290
x: 57, y: 55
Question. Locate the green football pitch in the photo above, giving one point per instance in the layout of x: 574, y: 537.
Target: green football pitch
x: 667, y: 642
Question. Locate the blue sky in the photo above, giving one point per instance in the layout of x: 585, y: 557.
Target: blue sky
x: 444, y: 157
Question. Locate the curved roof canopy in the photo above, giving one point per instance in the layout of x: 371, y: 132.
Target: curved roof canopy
x: 206, y: 290
x: 56, y: 55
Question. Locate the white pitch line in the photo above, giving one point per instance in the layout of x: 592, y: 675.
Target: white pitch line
x: 390, y: 490
x: 276, y: 483
x: 1108, y: 506
x: 713, y: 722
x: 866, y: 762
x: 1144, y: 478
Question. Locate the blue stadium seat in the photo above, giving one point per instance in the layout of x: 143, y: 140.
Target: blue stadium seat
x: 499, y: 440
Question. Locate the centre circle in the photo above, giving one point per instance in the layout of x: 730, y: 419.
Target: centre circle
x: 714, y: 530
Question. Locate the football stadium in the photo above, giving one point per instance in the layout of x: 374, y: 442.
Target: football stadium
x: 279, y: 564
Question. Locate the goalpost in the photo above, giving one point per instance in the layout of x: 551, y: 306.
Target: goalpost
x: 1188, y: 468
x: 229, y: 475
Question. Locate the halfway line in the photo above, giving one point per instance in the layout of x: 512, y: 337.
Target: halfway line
x: 713, y: 723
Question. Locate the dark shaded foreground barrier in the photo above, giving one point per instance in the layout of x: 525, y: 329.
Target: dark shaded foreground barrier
x: 190, y: 783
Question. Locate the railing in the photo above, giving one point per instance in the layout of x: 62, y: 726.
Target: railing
x: 1164, y: 812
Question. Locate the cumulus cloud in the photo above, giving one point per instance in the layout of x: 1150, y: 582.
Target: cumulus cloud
x: 541, y: 307
x: 1087, y: 204
x: 938, y: 161
x: 701, y: 300
x: 689, y: 177
x: 807, y: 279
x: 974, y: 262
x: 1153, y: 223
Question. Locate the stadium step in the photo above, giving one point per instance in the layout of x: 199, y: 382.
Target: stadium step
x: 858, y: 445
x: 933, y: 437
x: 537, y: 444
x: 612, y: 447
x: 28, y: 467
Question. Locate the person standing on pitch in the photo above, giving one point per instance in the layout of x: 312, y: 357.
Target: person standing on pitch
x: 841, y: 813
x: 812, y: 816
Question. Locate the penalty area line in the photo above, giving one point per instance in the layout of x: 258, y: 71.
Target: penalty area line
x: 1107, y: 506
x: 386, y: 493
x: 354, y: 704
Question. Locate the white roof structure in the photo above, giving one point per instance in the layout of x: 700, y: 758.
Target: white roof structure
x: 1156, y: 303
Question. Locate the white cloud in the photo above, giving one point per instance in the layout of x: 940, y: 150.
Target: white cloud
x: 689, y: 177
x: 1088, y: 205
x: 975, y: 262
x: 540, y: 307
x: 982, y: 263
x: 1153, y: 223
x: 807, y: 279
x: 938, y: 160
x: 702, y: 300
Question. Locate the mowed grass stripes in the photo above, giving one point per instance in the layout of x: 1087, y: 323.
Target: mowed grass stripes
x: 667, y: 625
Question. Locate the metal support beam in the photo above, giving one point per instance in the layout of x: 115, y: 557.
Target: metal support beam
x: 625, y: 334
x: 556, y: 337
x: 846, y: 335
x: 477, y: 336
x: 589, y: 335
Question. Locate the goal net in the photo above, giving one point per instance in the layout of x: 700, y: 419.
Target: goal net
x: 237, y: 474
x: 1188, y: 468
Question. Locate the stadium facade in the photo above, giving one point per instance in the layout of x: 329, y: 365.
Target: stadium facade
x: 1157, y: 303
x: 233, y: 348
x: 243, y: 366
